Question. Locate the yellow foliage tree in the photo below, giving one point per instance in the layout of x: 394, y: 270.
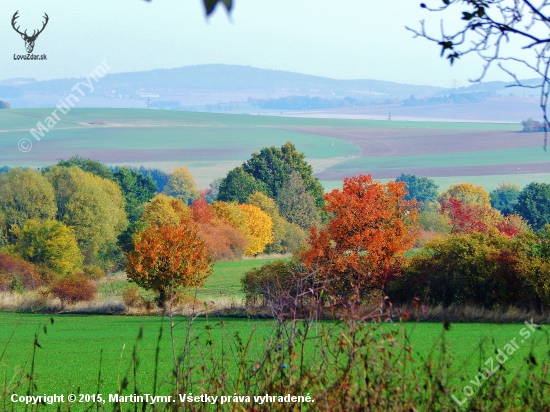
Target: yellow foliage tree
x: 181, y: 185
x: 287, y: 237
x: 260, y: 229
x: 49, y: 243
x: 230, y: 213
x: 93, y: 206
x: 467, y: 193
x: 165, y: 210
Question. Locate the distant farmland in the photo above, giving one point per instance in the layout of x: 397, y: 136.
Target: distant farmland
x: 211, y: 144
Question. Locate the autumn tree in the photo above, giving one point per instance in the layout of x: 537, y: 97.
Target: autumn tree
x: 479, y: 217
x: 165, y: 210
x: 259, y: 229
x: 287, y: 237
x: 371, y: 228
x: 17, y: 274
x: 296, y: 204
x: 476, y: 269
x: 49, y: 243
x: 467, y: 193
x: 230, y: 213
x: 201, y: 211
x: 182, y: 186
x: 167, y: 257
x: 24, y: 194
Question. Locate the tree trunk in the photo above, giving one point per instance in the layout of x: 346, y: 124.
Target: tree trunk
x: 162, y: 298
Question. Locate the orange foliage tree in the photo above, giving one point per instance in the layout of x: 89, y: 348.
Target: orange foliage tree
x: 372, y: 226
x: 166, y: 257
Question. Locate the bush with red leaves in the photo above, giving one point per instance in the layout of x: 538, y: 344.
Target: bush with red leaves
x: 73, y: 288
x: 17, y: 274
x: 224, y: 242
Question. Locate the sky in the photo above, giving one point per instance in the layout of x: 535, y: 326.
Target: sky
x: 343, y: 39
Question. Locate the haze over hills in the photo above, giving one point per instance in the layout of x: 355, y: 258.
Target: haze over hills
x: 244, y: 89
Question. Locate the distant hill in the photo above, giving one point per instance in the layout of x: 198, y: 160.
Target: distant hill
x: 241, y: 89
x: 231, y: 83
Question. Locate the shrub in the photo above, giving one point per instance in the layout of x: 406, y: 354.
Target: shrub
x: 471, y: 268
x: 282, y: 285
x: 17, y: 274
x: 223, y: 241
x: 93, y: 272
x: 132, y: 297
x: 73, y: 288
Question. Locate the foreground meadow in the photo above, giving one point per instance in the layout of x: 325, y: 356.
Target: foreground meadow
x: 128, y: 355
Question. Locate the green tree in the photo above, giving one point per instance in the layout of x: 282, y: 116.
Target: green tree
x: 94, y: 167
x: 49, y: 243
x: 534, y: 204
x: 273, y: 166
x: 181, y: 185
x: 213, y: 191
x: 422, y: 189
x: 137, y: 190
x: 94, y: 207
x: 505, y: 197
x: 296, y: 204
x: 24, y: 194
x: 238, y: 185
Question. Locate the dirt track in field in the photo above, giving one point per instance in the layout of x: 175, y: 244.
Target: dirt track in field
x: 389, y: 142
x: 415, y: 141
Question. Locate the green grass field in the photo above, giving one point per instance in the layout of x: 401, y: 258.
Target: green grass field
x: 69, y: 357
x: 225, y: 281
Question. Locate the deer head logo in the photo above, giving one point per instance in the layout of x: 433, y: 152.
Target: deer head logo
x: 29, y: 40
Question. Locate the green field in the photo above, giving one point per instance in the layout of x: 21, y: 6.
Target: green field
x: 225, y: 282
x: 69, y: 357
x: 211, y: 144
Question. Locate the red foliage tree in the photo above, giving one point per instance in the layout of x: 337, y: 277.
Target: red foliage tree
x: 169, y: 256
x: 481, y: 218
x: 16, y: 274
x: 371, y: 228
x: 202, y: 212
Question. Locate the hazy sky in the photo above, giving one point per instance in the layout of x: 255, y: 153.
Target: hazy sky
x: 343, y: 39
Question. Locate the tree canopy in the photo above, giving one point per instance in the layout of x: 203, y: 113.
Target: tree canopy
x: 422, y: 189
x: 182, y: 185
x: 534, y: 204
x: 167, y: 257
x: 371, y: 228
x: 25, y: 194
